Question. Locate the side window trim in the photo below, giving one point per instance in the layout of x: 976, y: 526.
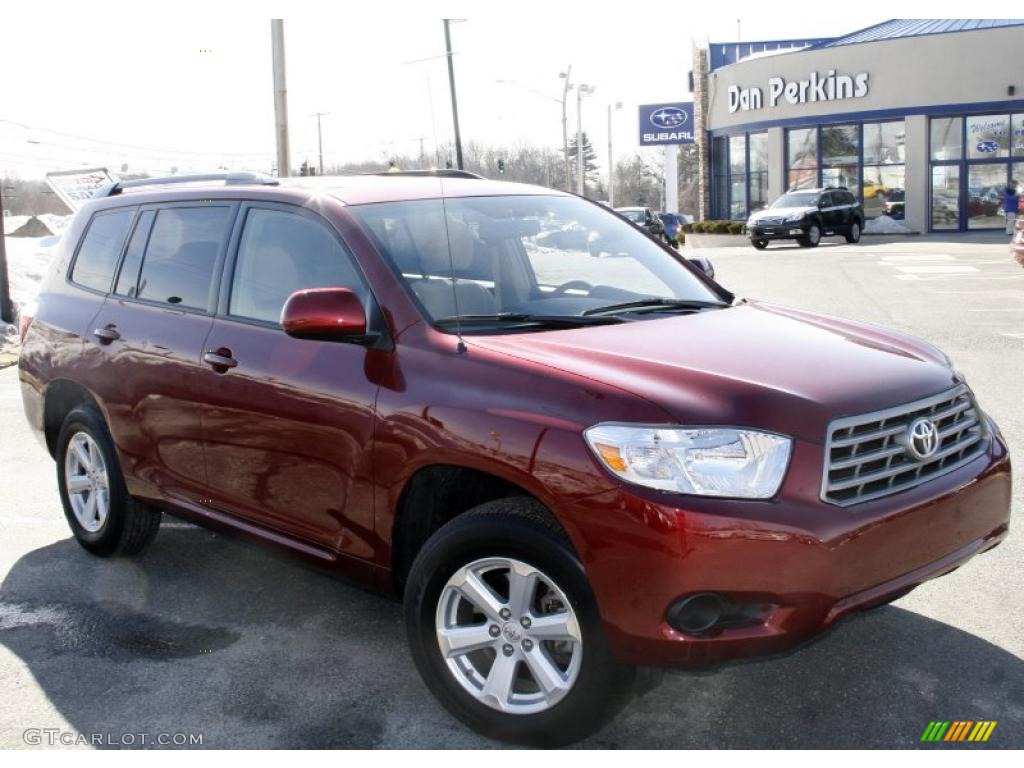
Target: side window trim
x: 231, y: 260
x: 127, y: 245
x: 81, y: 241
x: 218, y: 265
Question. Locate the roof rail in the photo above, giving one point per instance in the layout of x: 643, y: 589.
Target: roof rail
x: 117, y: 187
x: 444, y: 173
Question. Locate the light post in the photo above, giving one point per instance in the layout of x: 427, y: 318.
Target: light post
x: 581, y: 91
x: 611, y: 157
x: 565, y: 125
x: 451, y: 85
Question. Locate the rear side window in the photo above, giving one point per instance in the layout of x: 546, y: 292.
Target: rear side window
x: 101, y: 247
x: 181, y: 255
x: 280, y: 253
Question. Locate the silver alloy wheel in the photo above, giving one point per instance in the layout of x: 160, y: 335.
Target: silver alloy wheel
x: 855, y: 231
x: 509, y: 635
x: 87, y: 482
x: 814, y: 234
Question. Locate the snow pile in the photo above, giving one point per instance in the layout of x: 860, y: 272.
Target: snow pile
x: 885, y: 225
x: 27, y: 260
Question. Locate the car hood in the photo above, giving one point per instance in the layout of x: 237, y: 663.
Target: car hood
x: 782, y: 213
x: 752, y: 364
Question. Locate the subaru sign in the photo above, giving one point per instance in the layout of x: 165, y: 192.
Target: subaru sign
x: 666, y: 123
x: 988, y: 146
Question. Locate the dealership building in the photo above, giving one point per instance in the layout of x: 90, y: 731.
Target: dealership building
x: 922, y: 119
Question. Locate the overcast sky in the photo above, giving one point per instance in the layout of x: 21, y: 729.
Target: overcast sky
x: 146, y: 84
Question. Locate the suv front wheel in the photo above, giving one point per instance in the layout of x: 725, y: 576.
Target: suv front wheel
x: 504, y: 629
x: 812, y: 238
x: 102, y: 516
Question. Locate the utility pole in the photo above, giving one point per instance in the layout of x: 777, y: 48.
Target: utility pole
x: 6, y: 307
x: 284, y: 163
x: 320, y: 138
x: 451, y: 84
x: 565, y: 125
x: 581, y: 91
x: 611, y: 157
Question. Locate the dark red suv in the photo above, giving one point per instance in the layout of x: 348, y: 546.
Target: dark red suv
x: 569, y: 455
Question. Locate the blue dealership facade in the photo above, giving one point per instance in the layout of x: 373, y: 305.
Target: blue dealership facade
x: 922, y: 119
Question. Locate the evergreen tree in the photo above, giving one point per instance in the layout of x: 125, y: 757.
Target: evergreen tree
x: 589, y: 161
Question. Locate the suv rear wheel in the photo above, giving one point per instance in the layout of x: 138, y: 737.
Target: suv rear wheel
x: 759, y: 243
x: 505, y: 631
x: 103, y: 517
x: 853, y: 236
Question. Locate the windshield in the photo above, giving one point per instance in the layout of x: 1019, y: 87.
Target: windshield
x: 519, y: 256
x: 797, y: 200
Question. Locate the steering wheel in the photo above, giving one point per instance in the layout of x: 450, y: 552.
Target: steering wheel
x: 577, y: 284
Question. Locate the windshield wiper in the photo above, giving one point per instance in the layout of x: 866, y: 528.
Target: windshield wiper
x: 654, y: 304
x: 523, y: 318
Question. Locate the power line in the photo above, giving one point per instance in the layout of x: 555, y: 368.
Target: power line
x: 132, y: 146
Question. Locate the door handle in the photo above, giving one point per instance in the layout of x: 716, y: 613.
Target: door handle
x: 217, y: 360
x: 107, y: 335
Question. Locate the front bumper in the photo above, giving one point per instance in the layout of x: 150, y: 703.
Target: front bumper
x: 777, y: 231
x: 798, y: 563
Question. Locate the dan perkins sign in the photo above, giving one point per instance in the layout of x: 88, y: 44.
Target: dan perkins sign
x: 828, y: 87
x: 666, y: 123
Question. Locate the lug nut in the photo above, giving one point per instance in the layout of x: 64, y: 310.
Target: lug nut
x: 495, y: 630
x: 525, y: 621
x: 505, y: 613
x: 527, y: 644
x: 507, y: 649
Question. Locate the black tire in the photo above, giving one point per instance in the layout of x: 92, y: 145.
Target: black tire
x: 853, y: 234
x: 759, y: 243
x: 812, y: 238
x: 130, y: 525
x: 517, y: 528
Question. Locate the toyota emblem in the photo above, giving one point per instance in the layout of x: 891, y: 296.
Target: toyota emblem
x: 922, y: 438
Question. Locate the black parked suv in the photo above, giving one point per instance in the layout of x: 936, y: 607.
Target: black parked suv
x: 807, y: 215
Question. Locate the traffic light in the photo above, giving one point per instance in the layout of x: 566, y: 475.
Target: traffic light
x: 501, y: 167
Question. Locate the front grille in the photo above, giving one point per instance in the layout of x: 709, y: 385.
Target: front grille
x: 867, y: 456
x: 770, y: 220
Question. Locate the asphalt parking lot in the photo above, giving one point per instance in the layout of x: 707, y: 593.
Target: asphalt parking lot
x: 205, y: 634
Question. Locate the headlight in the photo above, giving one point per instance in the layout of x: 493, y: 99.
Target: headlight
x: 752, y: 221
x: 795, y: 217
x: 709, y: 461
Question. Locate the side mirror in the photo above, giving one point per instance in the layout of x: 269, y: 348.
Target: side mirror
x: 324, y: 314
x: 704, y: 265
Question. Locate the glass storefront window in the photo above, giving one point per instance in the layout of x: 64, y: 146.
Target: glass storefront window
x: 947, y: 138
x: 720, y: 169
x: 839, y: 145
x: 737, y: 155
x: 803, y: 147
x: 884, y: 143
x: 988, y: 137
x: 884, y: 191
x: 985, y: 186
x: 758, y: 174
x: 738, y: 198
x: 946, y: 197
x: 1017, y: 136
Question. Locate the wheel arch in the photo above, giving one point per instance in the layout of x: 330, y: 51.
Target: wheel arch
x: 60, y: 398
x: 438, y: 493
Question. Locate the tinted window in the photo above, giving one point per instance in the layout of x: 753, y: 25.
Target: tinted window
x: 180, y: 258
x: 281, y: 253
x: 826, y: 200
x: 97, y: 258
x: 128, y: 278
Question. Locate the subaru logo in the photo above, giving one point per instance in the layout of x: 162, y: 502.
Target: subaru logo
x: 922, y: 438
x: 668, y: 117
x: 988, y: 146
